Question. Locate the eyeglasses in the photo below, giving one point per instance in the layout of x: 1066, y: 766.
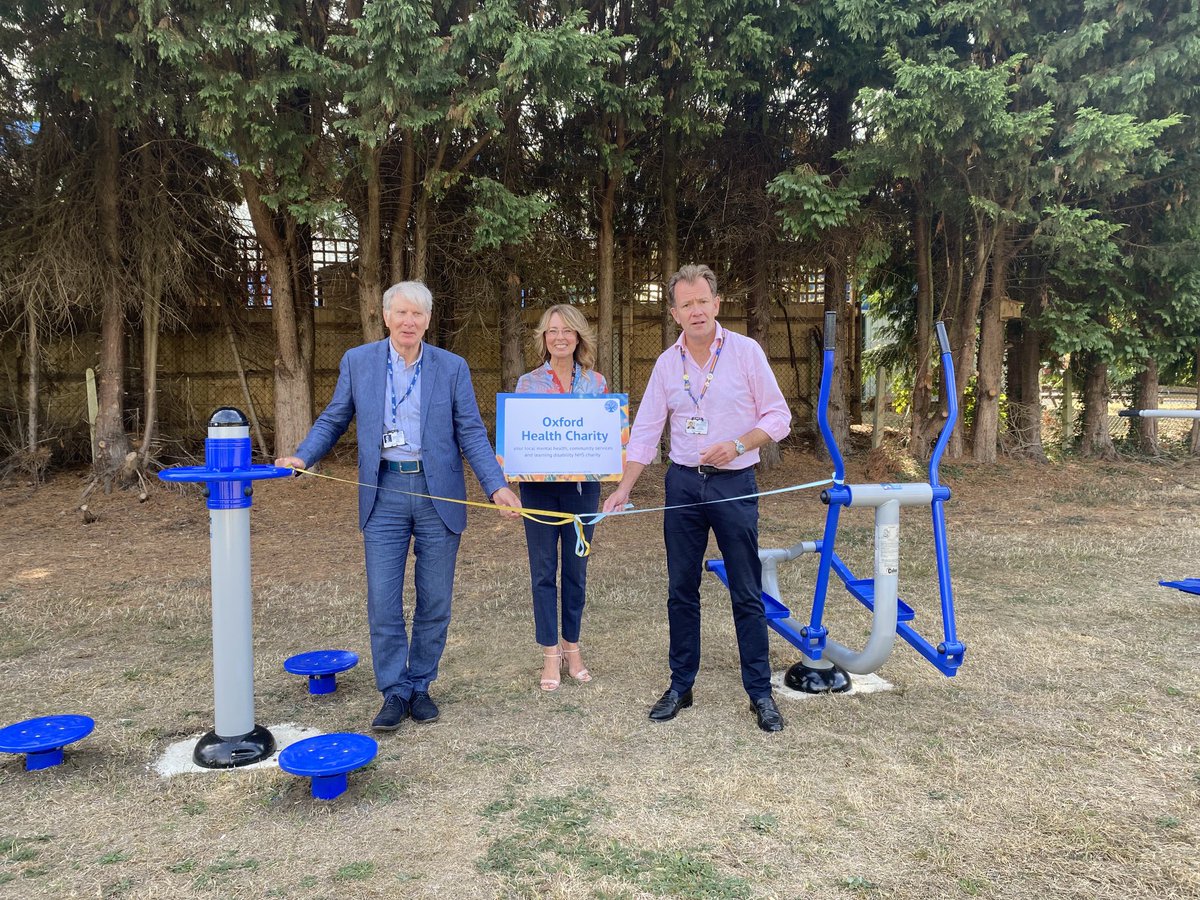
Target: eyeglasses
x: 560, y: 332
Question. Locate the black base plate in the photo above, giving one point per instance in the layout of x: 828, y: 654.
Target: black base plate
x: 810, y: 680
x: 216, y: 752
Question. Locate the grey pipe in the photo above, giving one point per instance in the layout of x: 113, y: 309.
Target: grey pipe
x: 770, y: 564
x: 887, y: 589
x: 1169, y: 413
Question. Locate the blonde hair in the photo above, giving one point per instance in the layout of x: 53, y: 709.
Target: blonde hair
x: 585, y: 349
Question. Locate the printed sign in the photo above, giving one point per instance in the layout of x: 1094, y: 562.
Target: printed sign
x: 562, y: 437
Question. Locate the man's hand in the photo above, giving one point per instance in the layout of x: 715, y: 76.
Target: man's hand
x: 616, y: 500
x: 508, y: 502
x: 719, y: 454
x: 290, y: 462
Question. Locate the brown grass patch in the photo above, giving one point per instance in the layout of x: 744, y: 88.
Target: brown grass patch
x: 1063, y: 760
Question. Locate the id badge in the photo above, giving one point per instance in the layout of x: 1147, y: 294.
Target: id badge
x: 393, y: 439
x: 696, y: 425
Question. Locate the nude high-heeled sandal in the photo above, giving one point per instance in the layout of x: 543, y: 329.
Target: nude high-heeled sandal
x: 551, y: 684
x: 583, y: 675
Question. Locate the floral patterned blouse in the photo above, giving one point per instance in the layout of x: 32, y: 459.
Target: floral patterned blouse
x: 543, y: 380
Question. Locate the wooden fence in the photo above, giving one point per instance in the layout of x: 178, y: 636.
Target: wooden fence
x: 198, y: 364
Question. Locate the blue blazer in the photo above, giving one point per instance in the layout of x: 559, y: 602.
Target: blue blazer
x: 451, y: 428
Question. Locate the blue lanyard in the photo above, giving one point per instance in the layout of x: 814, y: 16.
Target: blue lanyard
x: 558, y: 384
x: 712, y: 368
x: 392, y: 384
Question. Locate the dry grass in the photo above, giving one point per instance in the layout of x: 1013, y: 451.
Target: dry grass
x: 1063, y: 760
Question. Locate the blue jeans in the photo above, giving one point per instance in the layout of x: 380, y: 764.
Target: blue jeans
x: 403, y: 665
x: 544, y: 543
x: 685, y: 533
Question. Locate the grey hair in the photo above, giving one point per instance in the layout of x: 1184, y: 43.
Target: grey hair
x: 414, y: 291
x: 692, y: 273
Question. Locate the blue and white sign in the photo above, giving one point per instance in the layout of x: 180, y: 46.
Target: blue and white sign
x: 562, y: 437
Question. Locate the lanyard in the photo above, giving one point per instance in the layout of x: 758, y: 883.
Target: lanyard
x: 558, y: 384
x: 392, y: 384
x: 712, y: 368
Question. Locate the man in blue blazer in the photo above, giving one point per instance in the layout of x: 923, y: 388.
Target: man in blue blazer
x: 417, y: 419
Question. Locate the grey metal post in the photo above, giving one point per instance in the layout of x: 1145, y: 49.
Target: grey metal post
x: 233, y: 644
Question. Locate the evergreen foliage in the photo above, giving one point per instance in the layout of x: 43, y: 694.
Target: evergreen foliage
x: 952, y: 159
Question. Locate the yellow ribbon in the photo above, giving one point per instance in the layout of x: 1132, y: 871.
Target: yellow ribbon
x: 582, y: 546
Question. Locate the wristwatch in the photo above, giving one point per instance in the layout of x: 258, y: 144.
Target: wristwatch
x: 739, y: 446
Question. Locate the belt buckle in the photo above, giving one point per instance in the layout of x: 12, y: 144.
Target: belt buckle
x: 708, y: 470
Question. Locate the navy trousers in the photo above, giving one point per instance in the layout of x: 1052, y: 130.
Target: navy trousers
x: 685, y: 533
x: 546, y: 544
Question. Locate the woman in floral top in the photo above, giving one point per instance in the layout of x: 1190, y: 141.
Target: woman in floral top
x: 567, y: 346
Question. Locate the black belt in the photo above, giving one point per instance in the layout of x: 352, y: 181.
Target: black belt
x: 708, y: 470
x: 404, y: 466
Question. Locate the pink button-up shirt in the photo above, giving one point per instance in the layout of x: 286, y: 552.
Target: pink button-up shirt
x: 742, y: 396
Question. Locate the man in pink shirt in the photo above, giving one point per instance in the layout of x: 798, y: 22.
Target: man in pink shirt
x: 721, y: 398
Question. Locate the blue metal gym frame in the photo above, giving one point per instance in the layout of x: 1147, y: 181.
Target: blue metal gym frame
x: 891, y: 616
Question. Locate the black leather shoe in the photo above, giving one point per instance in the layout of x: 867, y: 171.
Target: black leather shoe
x: 391, y: 714
x: 424, y: 710
x: 669, y: 705
x: 769, y: 717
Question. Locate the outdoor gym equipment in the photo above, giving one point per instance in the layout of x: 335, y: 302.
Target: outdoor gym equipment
x: 321, y: 667
x: 1160, y: 413
x: 227, y: 473
x: 42, y: 739
x: 826, y: 663
x: 1190, y: 585
x: 326, y: 759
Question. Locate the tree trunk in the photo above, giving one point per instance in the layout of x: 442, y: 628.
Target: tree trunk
x: 112, y: 443
x: 668, y: 242
x: 304, y: 294
x: 619, y: 383
x: 758, y: 300
x: 839, y: 137
x: 605, y: 267
x: 151, y: 316
x: 855, y: 388
x: 1025, y: 395
x: 835, y: 301
x: 511, y: 332
x: 420, y: 237
x: 251, y: 410
x: 966, y: 332
x: 370, y: 237
x: 398, y: 240
x: 991, y: 361
x: 1097, y: 440
x: 293, y: 368
x: 922, y: 390
x: 758, y: 326
x: 955, y: 252
x: 1196, y: 422
x: 33, y: 384
x: 1147, y: 398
